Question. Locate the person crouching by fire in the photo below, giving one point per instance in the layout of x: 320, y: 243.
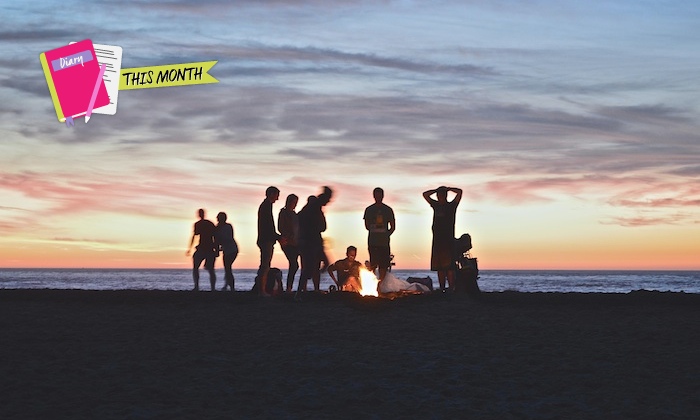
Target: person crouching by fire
x: 348, y: 270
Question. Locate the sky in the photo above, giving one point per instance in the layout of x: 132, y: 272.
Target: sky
x: 572, y: 128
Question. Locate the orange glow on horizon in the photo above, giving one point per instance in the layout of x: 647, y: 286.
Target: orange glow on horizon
x: 131, y: 241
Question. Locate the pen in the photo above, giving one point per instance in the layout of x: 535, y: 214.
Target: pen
x: 94, y: 92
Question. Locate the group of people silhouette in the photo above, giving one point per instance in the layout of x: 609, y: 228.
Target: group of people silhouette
x: 300, y: 237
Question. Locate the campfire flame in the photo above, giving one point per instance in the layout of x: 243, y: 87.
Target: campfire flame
x: 369, y: 283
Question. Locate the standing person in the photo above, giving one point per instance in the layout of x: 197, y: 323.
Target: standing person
x: 205, y: 250
x: 288, y: 224
x: 226, y: 243
x: 444, y: 213
x: 380, y: 222
x: 267, y: 236
x: 312, y: 222
x: 348, y: 272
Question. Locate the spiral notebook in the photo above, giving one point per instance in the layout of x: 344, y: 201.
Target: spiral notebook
x: 71, y: 73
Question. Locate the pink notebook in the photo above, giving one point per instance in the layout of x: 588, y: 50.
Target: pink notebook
x: 71, y: 72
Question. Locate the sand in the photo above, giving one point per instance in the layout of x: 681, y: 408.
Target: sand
x: 166, y: 354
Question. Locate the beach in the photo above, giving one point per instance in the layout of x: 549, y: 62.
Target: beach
x: 175, y: 354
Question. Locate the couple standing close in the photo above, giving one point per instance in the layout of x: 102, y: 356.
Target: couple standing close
x: 213, y: 239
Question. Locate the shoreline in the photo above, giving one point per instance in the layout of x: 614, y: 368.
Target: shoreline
x: 510, y: 296
x: 164, y: 354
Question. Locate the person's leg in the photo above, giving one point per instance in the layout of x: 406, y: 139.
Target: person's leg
x: 316, y: 267
x: 292, y: 254
x: 383, y: 259
x: 228, y: 273
x: 209, y: 265
x: 305, y: 275
x: 266, y: 251
x: 451, y: 280
x: 373, y: 259
x: 324, y: 263
x: 352, y: 285
x: 441, y: 279
x: 196, y: 262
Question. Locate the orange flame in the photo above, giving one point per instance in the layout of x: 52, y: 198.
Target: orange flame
x: 369, y: 283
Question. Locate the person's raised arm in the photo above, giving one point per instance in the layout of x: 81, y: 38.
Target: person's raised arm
x: 458, y: 197
x: 427, y: 195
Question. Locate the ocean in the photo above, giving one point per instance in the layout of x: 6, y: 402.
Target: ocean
x: 586, y: 281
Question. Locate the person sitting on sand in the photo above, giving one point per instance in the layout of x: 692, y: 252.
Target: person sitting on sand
x: 205, y: 250
x: 348, y: 272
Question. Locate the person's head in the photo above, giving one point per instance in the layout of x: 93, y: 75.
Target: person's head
x: 291, y: 202
x: 221, y: 217
x: 378, y: 194
x: 351, y: 253
x: 442, y: 194
x: 272, y: 194
x: 325, y: 196
x: 200, y: 213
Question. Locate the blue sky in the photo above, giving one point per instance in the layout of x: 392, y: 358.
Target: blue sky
x: 571, y: 126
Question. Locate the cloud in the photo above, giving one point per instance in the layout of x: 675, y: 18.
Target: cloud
x: 190, y: 6
x: 644, y: 221
x: 32, y: 84
x: 70, y: 194
x: 658, y: 202
x: 85, y: 241
x: 38, y: 34
x: 645, y: 114
x: 327, y: 55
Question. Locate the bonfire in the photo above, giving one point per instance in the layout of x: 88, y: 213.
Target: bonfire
x: 368, y: 283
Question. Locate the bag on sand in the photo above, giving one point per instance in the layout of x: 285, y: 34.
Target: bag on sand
x: 273, y: 284
x: 466, y: 278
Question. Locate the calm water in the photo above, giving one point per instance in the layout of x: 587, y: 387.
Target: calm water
x: 490, y: 280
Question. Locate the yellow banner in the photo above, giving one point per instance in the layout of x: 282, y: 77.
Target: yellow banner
x: 168, y: 75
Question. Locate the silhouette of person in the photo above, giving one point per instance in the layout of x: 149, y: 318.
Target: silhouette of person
x: 380, y: 222
x: 226, y: 243
x: 444, y: 213
x: 348, y: 271
x: 312, y: 222
x: 267, y: 236
x: 204, y: 251
x: 288, y: 224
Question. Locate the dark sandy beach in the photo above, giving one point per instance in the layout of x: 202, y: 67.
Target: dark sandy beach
x: 160, y: 354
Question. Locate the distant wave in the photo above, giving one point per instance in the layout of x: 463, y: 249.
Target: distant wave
x: 603, y: 281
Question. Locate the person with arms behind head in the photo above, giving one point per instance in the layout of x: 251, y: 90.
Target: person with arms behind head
x: 442, y: 257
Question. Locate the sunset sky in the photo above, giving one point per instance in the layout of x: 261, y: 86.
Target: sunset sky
x: 571, y: 126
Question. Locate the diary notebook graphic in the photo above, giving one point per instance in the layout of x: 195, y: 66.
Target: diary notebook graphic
x: 71, y: 72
